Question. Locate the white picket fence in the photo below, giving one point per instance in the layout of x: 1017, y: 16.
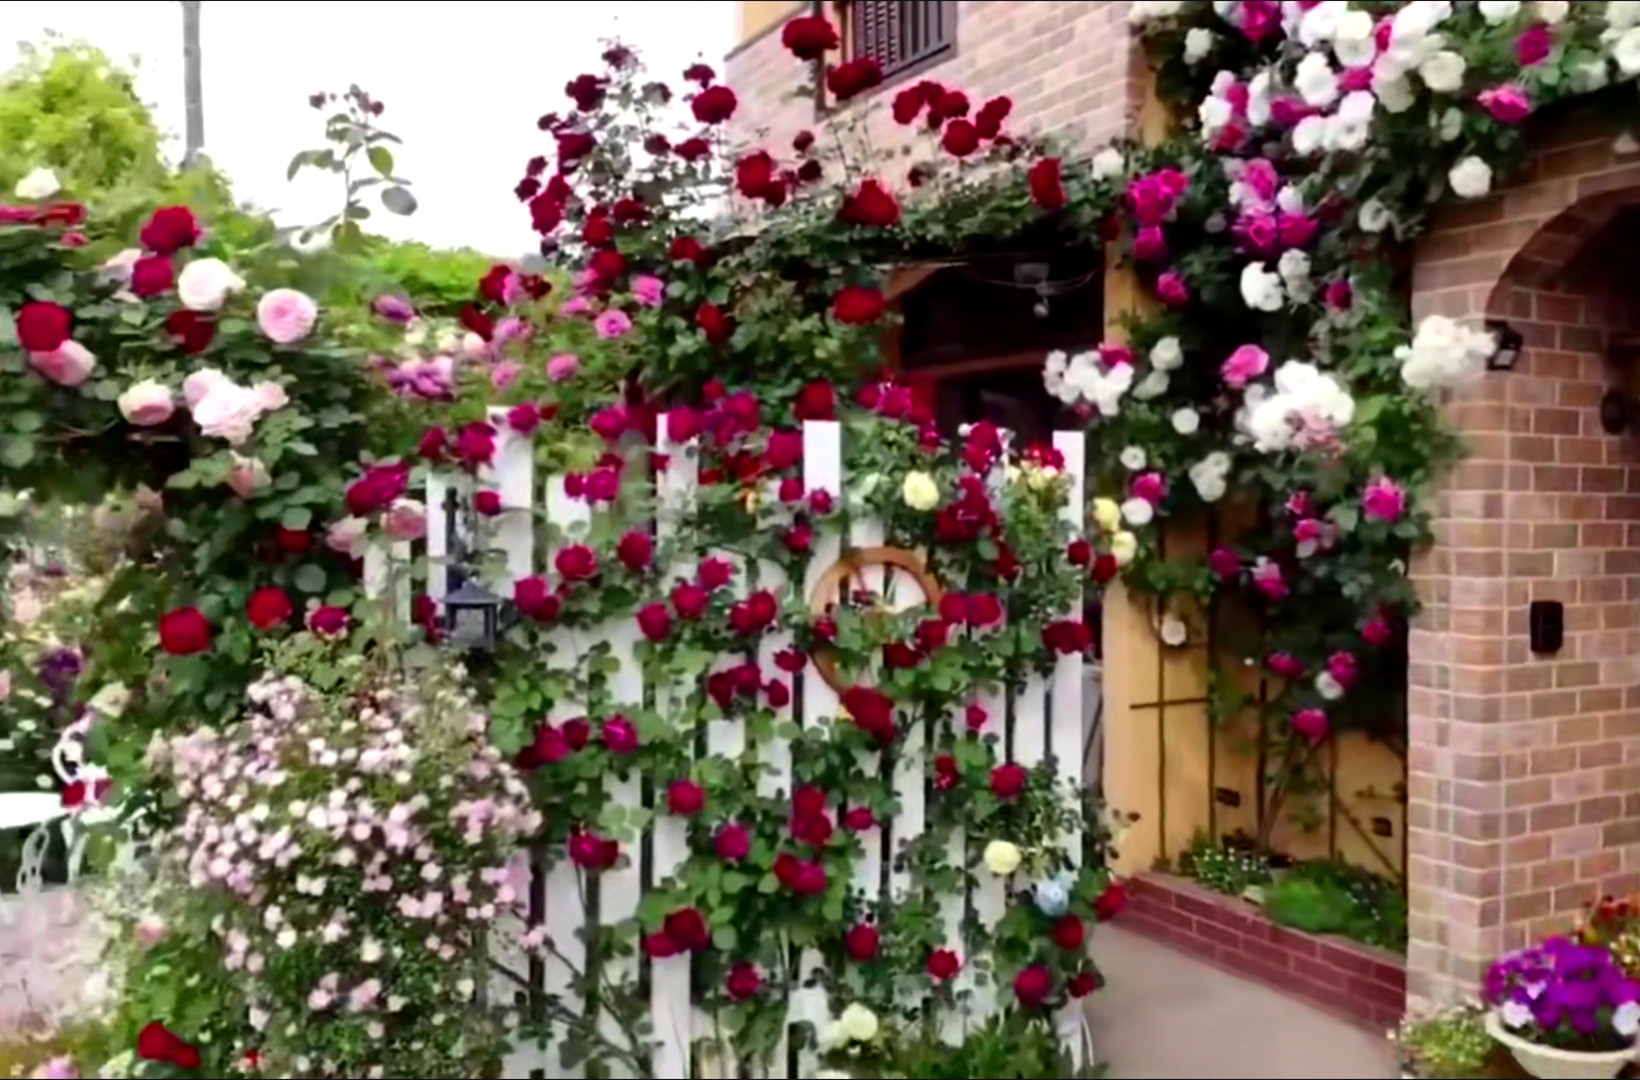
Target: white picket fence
x: 1047, y: 722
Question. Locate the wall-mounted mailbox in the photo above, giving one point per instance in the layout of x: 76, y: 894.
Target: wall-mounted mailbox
x: 1548, y: 626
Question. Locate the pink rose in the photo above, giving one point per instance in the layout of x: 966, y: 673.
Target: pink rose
x: 1260, y: 178
x: 270, y: 396
x: 406, y: 520
x: 1244, y: 365
x: 286, y: 316
x: 1508, y: 104
x: 1534, y: 45
x: 1151, y: 487
x: 229, y: 411
x: 147, y: 404
x: 1378, y: 631
x: 505, y: 374
x: 58, y: 1068
x: 1286, y: 665
x: 70, y: 364
x: 197, y: 385
x: 563, y: 366
x: 1150, y: 244
x: 1172, y: 289
x: 248, y: 476
x: 1267, y: 576
x: 612, y: 324
x: 1311, y: 724
x: 1384, y: 500
x: 576, y: 305
x: 649, y: 290
x: 347, y: 536
x: 1342, y: 667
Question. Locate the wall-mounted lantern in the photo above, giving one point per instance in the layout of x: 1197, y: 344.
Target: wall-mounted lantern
x: 1507, y: 354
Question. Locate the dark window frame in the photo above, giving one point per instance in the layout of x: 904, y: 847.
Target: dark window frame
x: 846, y: 13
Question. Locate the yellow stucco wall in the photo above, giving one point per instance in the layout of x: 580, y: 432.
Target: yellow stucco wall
x: 752, y: 17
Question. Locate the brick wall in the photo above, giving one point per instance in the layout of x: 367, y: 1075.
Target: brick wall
x: 1067, y: 66
x: 1350, y: 980
x: 1524, y: 771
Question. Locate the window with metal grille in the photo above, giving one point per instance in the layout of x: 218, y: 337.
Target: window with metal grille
x: 901, y: 35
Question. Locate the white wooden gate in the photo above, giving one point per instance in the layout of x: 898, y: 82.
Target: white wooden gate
x: 1047, y: 724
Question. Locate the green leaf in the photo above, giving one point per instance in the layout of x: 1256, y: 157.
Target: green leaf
x: 725, y: 938
x: 297, y: 518
x: 398, y: 200
x: 381, y: 159
x: 27, y: 421
x: 17, y: 452
x: 310, y: 578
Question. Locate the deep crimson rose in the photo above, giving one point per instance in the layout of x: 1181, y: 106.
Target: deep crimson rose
x: 475, y: 320
x: 872, y: 712
x: 699, y: 73
x: 578, y: 733
x: 1079, y: 552
x: 1082, y: 984
x: 524, y: 417
x: 156, y: 1042
x: 587, y: 91
x: 853, y: 78
x: 976, y: 716
x: 598, y: 230
x: 377, y: 489
x: 549, y: 747
x: 871, y: 205
x: 714, y: 105
x: 784, y: 449
x: 1069, y: 933
x: 755, y: 174
x: 946, y: 775
x: 717, y: 326
x: 434, y: 442
x: 753, y: 614
x: 791, y: 489
x: 932, y: 634
x: 1047, y: 186
x: 153, y: 275
x: 292, y: 541
x: 809, y: 37
x: 193, y: 331
x: 908, y: 104
x: 576, y: 563
x: 984, y: 609
x: 862, y: 942
x: 493, y: 285
x: 816, y: 401
x: 169, y: 230
x: 897, y: 654
x: 488, y: 503
x: 1008, y: 780
x: 689, y: 600
x: 743, y: 981
x: 607, y: 265
x: 534, y: 599
x: 1033, y: 985
x: 475, y: 445
x: 803, y: 141
x: 800, y: 876
x: 268, y: 607
x: 961, y: 138
x: 63, y: 213
x: 573, y: 146
x: 733, y: 842
x: 943, y: 965
x: 43, y: 326
x: 991, y: 115
x: 329, y: 621
x: 813, y: 829
x: 1067, y: 636
x: 693, y: 149
x: 825, y: 629
x: 619, y: 735
x: 186, y: 1058
x: 660, y: 947
x: 954, y: 607
x: 184, y: 632
x: 546, y: 213
x: 688, y: 249
x: 715, y: 573
x: 685, y: 798
x: 799, y: 539
x: 636, y: 550
x: 779, y: 694
x: 859, y: 819
x: 1105, y: 568
x: 858, y: 305
x: 1111, y: 902
x: 592, y: 852
x: 655, y: 622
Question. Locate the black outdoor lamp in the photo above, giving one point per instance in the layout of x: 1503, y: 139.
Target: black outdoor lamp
x: 1507, y: 354
x: 473, y: 615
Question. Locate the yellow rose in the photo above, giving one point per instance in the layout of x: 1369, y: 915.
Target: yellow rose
x: 858, y: 1023
x: 1041, y: 479
x: 1124, y: 545
x: 1002, y: 858
x: 1107, y: 515
x: 920, y: 492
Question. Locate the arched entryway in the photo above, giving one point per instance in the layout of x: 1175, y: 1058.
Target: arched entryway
x: 1524, y: 766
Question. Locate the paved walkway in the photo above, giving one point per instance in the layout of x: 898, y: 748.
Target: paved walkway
x: 1164, y: 1015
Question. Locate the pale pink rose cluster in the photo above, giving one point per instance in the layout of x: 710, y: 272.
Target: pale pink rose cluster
x: 224, y: 409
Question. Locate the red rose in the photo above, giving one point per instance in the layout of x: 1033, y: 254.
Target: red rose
x: 984, y: 609
x: 577, y: 733
x: 1033, y: 985
x: 476, y: 444
x: 991, y: 115
x: 687, y: 929
x: 268, y: 607
x: 743, y: 981
x: 660, y: 947
x: 871, y: 205
x: 1067, y: 636
x: 1082, y: 984
x: 587, y: 91
x: 153, y: 275
x: 946, y: 775
x: 689, y: 600
x: 858, y: 305
x: 534, y: 599
x: 943, y: 965
x: 1105, y: 568
x: 754, y: 613
x: 493, y: 285
x: 378, y: 488
x: 1008, y: 781
x: 655, y: 622
x: 156, y: 1042
x: 184, y: 632
x: 714, y: 105
x: 908, y: 104
x: 809, y: 37
x: 1069, y: 933
x: 1079, y: 553
x: 171, y: 229
x: 193, y: 332
x: 292, y: 541
x: 1111, y: 902
x: 576, y: 563
x: 779, y: 695
x: 859, y: 819
x: 853, y: 78
x: 1047, y: 187
x: 487, y: 503
x: 693, y: 149
x: 816, y: 401
x: 754, y: 174
x: 791, y: 661
x: 598, y: 230
x: 872, y: 712
x: 592, y: 852
x: 636, y: 550
x: 628, y: 210
x: 688, y: 249
x: 715, y: 573
x: 573, y: 146
x: 685, y: 798
x: 717, y: 326
x: 42, y: 326
x: 897, y: 654
x: 733, y: 842
x: 434, y: 441
x: 801, y: 877
x: 932, y: 634
x: 976, y: 717
x: 329, y: 621
x: 961, y: 138
x: 186, y: 1058
x: 862, y: 942
x: 803, y: 141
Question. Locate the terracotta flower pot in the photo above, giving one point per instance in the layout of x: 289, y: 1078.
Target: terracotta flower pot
x: 1549, y: 1063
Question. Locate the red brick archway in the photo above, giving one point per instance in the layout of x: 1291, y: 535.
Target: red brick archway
x: 1524, y: 771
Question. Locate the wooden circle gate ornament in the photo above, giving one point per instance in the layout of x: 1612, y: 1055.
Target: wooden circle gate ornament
x: 834, y: 586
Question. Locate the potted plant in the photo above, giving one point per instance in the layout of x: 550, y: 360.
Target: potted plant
x: 1453, y: 1044
x: 1566, y: 1010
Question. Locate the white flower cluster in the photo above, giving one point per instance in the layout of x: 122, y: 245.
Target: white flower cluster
x: 355, y: 849
x: 1141, y: 12
x: 1444, y: 353
x: 1084, y: 378
x: 1307, y: 410
x: 1211, y: 476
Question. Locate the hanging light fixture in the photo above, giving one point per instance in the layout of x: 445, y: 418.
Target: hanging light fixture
x: 474, y: 617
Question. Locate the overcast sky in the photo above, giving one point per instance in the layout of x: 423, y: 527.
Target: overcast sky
x: 462, y: 83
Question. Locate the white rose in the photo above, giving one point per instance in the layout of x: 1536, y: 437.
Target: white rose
x: 196, y: 386
x: 1210, y: 486
x: 1106, y: 514
x: 1154, y: 385
x: 858, y: 1023
x: 1328, y: 687
x: 1197, y: 44
x: 1187, y: 421
x: 1308, y: 135
x: 147, y: 404
x: 1592, y: 75
x: 1138, y: 513
x: 919, y: 491
x: 1108, y: 164
x: 1622, y: 14
x: 1174, y: 631
x: 1471, y: 178
x: 1261, y: 289
x: 1499, y: 11
x: 1353, y: 42
x: 1144, y: 11
x: 118, y: 267
x: 1214, y: 113
x: 1124, y: 546
x: 228, y: 412
x: 1553, y: 12
x: 1133, y: 458
x: 1627, y: 51
x: 1443, y: 72
x: 1002, y: 858
x: 1374, y: 216
x: 37, y: 185
x: 111, y: 700
x: 1394, y: 94
x: 1451, y: 124
x: 1316, y: 81
x: 1167, y: 354
x: 205, y: 284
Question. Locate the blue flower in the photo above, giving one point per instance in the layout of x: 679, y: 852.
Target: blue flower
x: 1052, y: 898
